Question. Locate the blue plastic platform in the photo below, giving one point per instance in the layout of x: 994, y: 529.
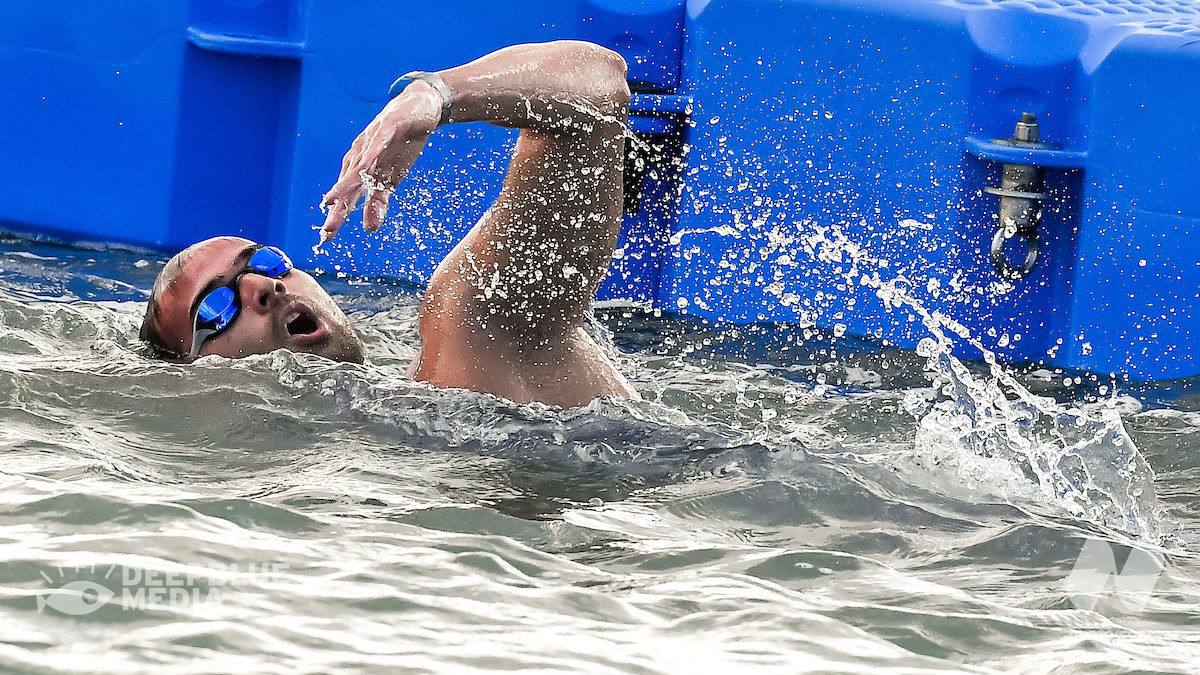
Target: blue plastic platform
x: 793, y: 155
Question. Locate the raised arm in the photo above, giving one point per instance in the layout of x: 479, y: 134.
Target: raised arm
x: 564, y: 89
x: 519, y: 283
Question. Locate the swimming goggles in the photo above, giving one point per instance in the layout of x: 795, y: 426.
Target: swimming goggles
x: 220, y: 306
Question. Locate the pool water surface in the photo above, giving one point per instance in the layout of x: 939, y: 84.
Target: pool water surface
x: 829, y: 506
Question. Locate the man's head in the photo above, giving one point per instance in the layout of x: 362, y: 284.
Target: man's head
x: 290, y: 311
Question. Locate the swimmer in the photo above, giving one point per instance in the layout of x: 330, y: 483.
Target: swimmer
x: 504, y: 311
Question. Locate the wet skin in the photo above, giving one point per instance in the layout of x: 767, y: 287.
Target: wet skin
x: 267, y: 307
x: 568, y: 371
x: 504, y: 311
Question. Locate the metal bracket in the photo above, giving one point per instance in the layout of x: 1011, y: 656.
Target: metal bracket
x: 1020, y: 191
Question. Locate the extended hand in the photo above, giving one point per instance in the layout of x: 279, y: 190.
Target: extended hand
x: 380, y: 158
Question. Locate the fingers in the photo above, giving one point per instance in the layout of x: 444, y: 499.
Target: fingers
x: 337, y: 204
x: 335, y: 214
x: 340, y: 202
x: 377, y: 161
x: 333, y: 222
x: 375, y: 210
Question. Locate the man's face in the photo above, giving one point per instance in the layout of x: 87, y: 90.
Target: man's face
x: 291, y: 312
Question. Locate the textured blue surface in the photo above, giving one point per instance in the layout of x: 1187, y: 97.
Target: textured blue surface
x: 782, y: 135
x: 874, y: 105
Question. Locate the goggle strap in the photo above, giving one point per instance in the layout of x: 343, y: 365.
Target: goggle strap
x: 198, y: 340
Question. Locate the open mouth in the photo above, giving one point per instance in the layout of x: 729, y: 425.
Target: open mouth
x: 300, y: 322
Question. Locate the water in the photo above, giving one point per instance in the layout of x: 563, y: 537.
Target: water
x: 833, y: 507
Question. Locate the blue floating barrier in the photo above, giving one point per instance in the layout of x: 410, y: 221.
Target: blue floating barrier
x: 802, y: 162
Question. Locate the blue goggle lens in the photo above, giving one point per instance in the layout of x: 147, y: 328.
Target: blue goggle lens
x: 271, y: 261
x: 220, y: 307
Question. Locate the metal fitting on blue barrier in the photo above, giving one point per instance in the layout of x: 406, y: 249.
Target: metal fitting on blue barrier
x: 1021, y: 198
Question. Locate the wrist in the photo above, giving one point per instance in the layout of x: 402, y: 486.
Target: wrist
x: 426, y: 82
x: 417, y: 109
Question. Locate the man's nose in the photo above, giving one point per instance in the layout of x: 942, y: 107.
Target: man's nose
x: 257, y: 291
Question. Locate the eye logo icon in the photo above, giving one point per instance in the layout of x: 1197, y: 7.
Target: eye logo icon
x: 77, y: 598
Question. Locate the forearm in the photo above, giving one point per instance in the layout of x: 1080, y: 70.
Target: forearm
x: 531, y: 264
x: 559, y: 86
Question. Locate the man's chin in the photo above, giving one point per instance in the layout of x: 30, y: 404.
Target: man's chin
x: 349, y: 357
x: 344, y: 347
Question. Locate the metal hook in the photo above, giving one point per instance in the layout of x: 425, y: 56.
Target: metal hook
x: 1033, y: 249
x: 1020, y: 204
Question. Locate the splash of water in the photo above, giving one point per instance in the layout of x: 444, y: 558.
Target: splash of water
x: 1080, y: 458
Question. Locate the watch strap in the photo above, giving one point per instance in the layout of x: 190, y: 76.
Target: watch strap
x: 432, y: 79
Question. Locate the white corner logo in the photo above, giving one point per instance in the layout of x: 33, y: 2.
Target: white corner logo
x: 1096, y: 576
x: 133, y: 588
x: 77, y: 598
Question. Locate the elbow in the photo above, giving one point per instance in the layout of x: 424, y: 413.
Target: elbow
x: 606, y: 70
x: 618, y: 70
x: 612, y: 76
x: 611, y: 63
